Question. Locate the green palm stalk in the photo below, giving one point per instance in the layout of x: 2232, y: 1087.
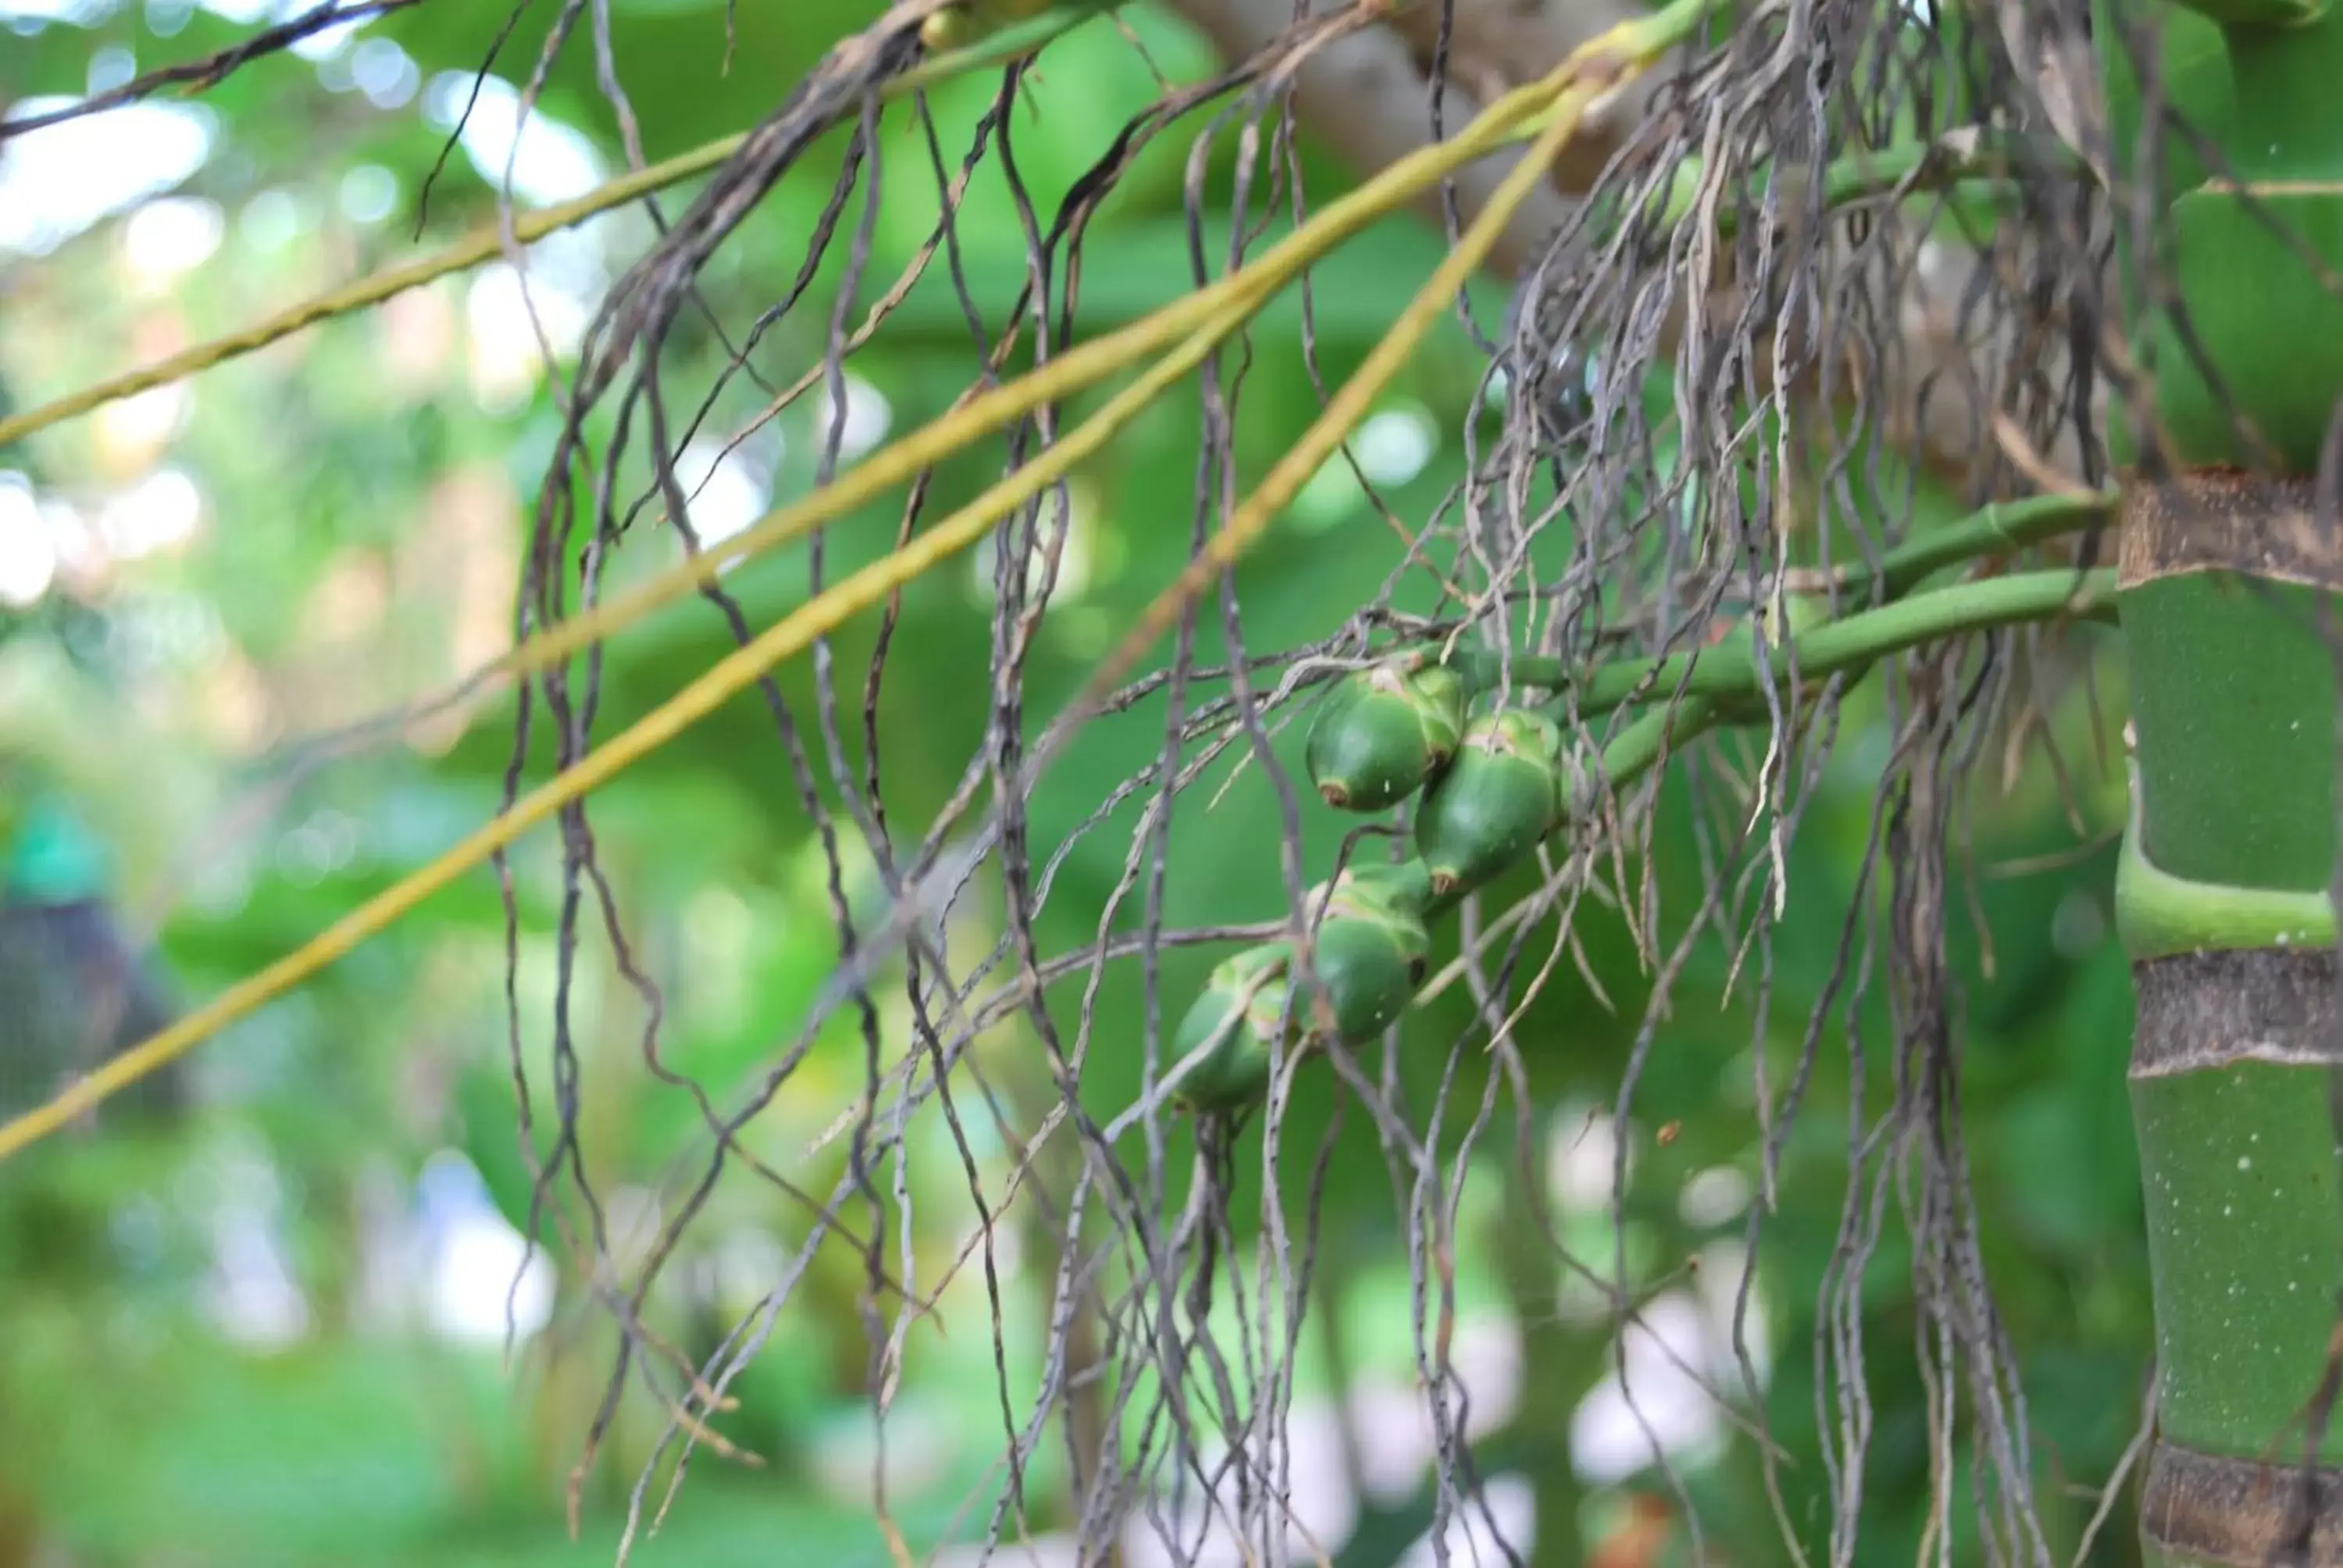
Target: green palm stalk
x: 2226, y: 577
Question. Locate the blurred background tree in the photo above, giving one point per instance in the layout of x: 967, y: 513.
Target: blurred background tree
x: 281, y: 1312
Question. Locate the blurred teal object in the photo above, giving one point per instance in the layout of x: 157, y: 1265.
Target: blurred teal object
x: 72, y: 991
x: 53, y: 858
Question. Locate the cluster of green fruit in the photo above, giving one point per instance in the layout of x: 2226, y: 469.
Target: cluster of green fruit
x: 1492, y: 787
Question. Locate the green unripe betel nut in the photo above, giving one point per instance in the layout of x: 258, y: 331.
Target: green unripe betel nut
x: 1385, y: 732
x: 1235, y: 1020
x: 1372, y: 947
x: 1500, y: 796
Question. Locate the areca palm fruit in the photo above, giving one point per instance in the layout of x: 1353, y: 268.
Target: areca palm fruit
x: 1385, y: 732
x: 1405, y: 889
x: 1236, y: 1021
x: 1371, y: 946
x: 1502, y: 795
x: 971, y: 22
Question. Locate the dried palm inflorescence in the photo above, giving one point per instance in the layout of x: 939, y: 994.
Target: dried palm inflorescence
x: 1831, y: 252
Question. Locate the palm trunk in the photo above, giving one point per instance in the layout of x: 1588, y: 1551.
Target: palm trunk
x: 2227, y: 577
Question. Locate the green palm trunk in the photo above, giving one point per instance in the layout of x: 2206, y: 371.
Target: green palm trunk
x: 2226, y: 577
